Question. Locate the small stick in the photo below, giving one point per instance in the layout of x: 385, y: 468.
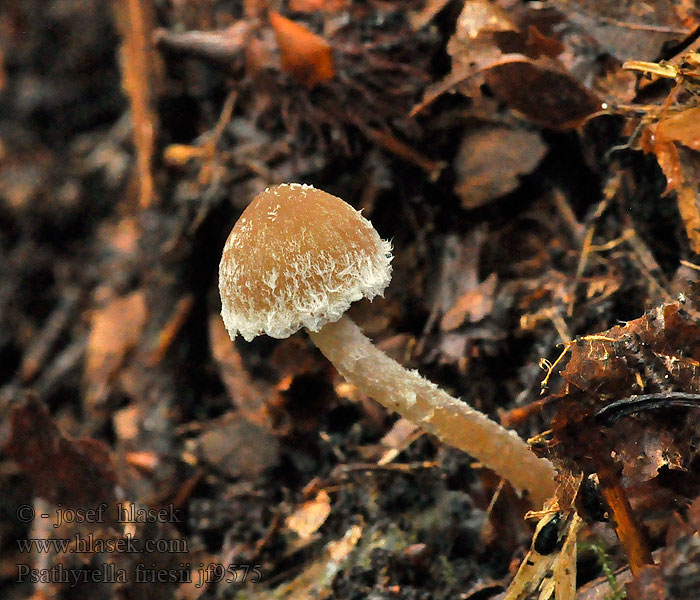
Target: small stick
x: 626, y: 525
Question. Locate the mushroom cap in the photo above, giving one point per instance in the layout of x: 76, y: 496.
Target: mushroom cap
x: 298, y: 257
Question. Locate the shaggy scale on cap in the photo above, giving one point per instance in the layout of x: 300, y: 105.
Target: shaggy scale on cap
x: 298, y: 257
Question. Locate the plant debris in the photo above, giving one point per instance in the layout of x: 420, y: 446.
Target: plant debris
x: 536, y: 166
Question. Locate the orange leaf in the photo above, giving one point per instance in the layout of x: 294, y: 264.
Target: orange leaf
x: 670, y: 163
x: 115, y: 330
x: 305, y: 55
x: 690, y: 213
x: 683, y: 127
x: 306, y: 519
x: 678, y: 171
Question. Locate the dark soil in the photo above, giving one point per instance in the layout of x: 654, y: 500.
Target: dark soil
x: 528, y: 201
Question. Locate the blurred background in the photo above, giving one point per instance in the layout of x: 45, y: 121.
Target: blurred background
x: 533, y: 188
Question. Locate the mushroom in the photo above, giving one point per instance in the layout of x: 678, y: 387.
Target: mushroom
x: 298, y: 257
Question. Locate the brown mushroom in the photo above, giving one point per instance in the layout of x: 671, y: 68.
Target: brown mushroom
x: 298, y: 257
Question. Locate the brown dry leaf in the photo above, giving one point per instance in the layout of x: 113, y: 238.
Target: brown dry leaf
x: 627, y: 28
x: 116, y: 329
x: 539, y: 44
x: 141, y: 75
x: 472, y: 306
x: 682, y: 127
x: 126, y: 422
x: 667, y: 156
x: 519, y: 65
x: 239, y: 448
x: 472, y: 48
x: 307, y: 519
x: 314, y: 581
x: 74, y: 472
x: 304, y: 55
x: 339, y: 549
x: 490, y: 161
x: 480, y: 17
x: 459, y: 269
x: 655, y: 355
x: 689, y: 207
x: 681, y: 166
x: 542, y: 91
x: 599, y: 589
x: 669, y: 336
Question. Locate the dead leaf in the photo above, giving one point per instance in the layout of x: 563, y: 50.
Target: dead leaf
x: 239, y: 448
x: 669, y: 337
x: 73, y: 472
x: 304, y: 55
x: 491, y: 160
x: 307, y: 519
x: 542, y: 91
x: 489, y: 46
x: 682, y: 127
x: 689, y: 207
x: 473, y: 49
x: 628, y: 29
x: 472, y: 306
x: 481, y: 17
x: 115, y: 330
x: 681, y: 167
x: 339, y: 549
x: 126, y: 422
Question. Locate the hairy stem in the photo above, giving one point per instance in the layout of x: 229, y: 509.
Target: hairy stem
x: 422, y: 402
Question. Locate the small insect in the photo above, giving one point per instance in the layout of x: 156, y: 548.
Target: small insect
x: 548, y: 538
x: 592, y: 503
x: 648, y: 364
x: 550, y: 565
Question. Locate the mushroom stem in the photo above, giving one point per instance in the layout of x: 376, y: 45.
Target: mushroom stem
x: 422, y: 402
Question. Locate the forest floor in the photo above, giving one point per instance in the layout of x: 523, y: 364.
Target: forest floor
x: 536, y: 166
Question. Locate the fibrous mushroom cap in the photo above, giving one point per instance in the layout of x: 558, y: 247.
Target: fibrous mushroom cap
x: 298, y: 257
